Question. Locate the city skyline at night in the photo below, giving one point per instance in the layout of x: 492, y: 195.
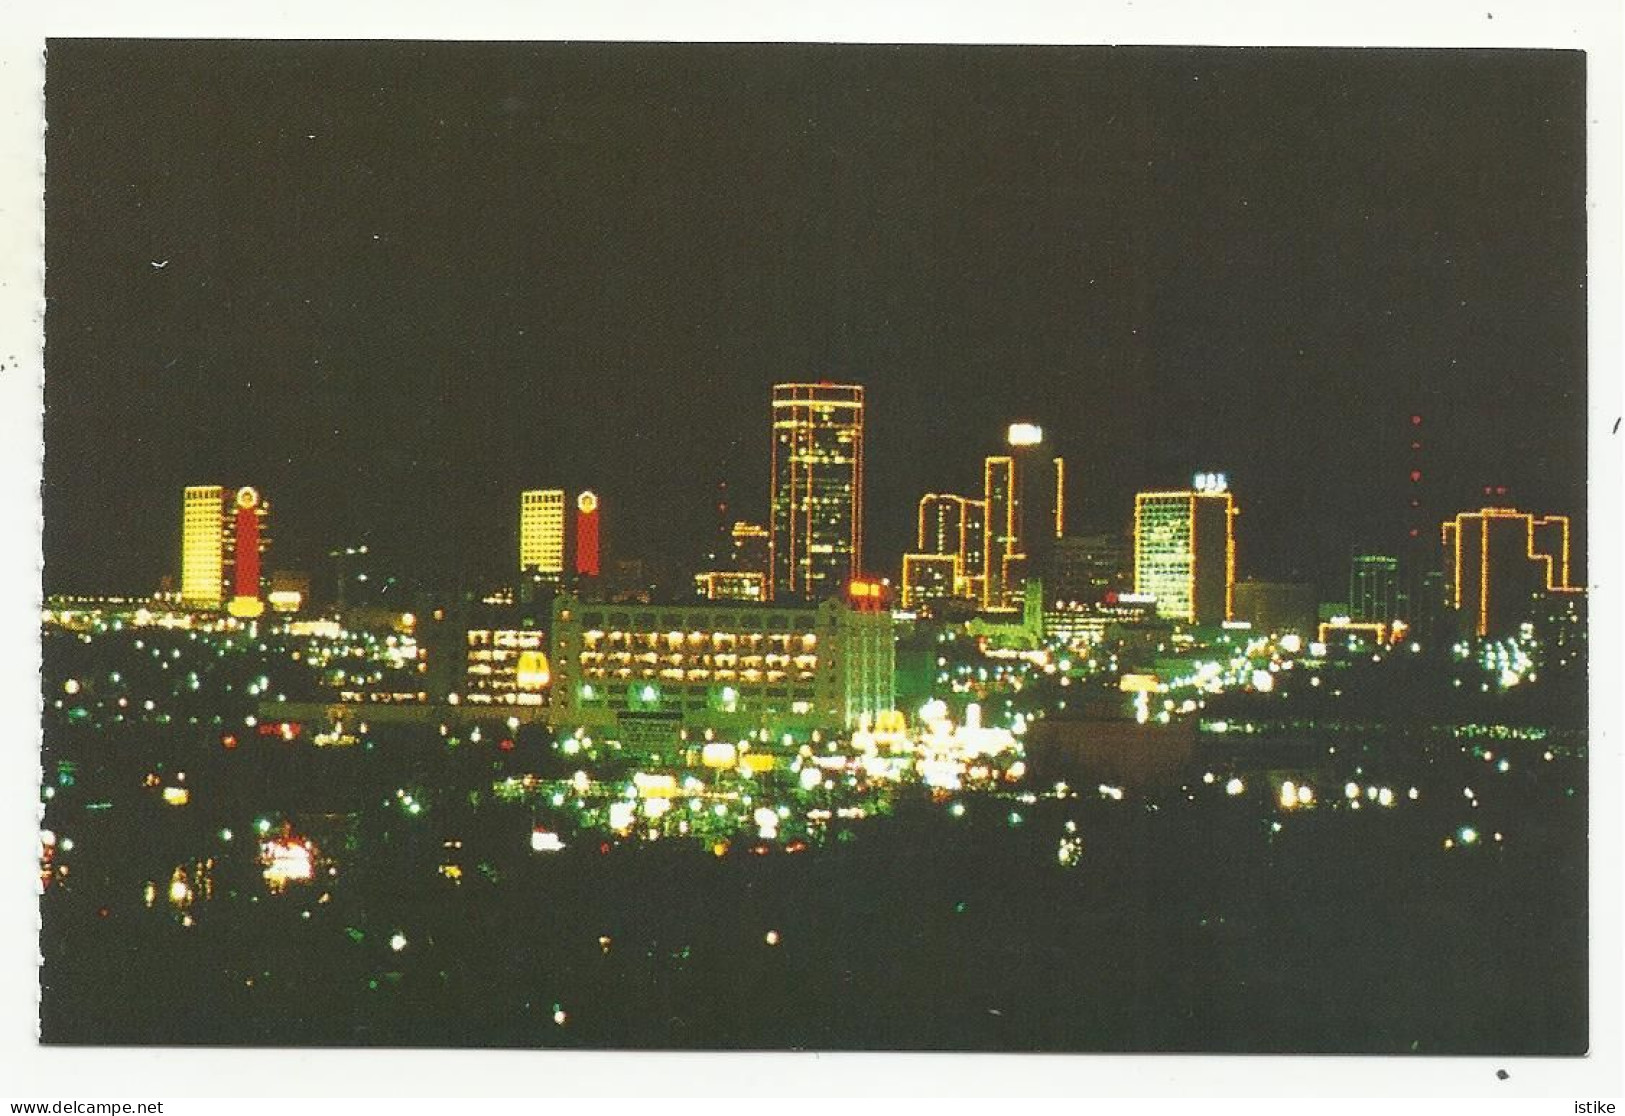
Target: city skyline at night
x: 679, y: 546
x: 1429, y: 265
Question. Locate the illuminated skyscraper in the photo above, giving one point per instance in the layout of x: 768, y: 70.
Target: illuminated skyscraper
x: 941, y: 528
x: 541, y: 532
x: 952, y: 527
x: 203, y: 547
x: 1498, y: 561
x: 1024, y: 493
x: 223, y: 536
x: 1185, y: 551
x: 1374, y: 593
x: 816, y: 542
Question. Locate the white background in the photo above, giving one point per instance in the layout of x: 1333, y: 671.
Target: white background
x: 31, y: 1072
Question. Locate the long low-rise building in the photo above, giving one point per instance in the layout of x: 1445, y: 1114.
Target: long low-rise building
x: 734, y: 667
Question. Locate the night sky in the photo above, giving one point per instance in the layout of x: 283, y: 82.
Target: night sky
x: 406, y: 280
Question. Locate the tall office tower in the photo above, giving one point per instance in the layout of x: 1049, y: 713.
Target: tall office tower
x: 1185, y: 550
x: 203, y: 547
x: 1025, y: 495
x: 816, y: 541
x: 541, y: 532
x: 1498, y: 561
x: 1374, y: 590
x: 941, y: 527
x: 587, y: 535
x: 1000, y: 551
x: 973, y: 555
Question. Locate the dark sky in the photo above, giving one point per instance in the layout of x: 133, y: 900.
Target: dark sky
x: 406, y: 280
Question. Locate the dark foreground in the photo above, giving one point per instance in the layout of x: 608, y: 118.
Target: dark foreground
x: 1186, y: 924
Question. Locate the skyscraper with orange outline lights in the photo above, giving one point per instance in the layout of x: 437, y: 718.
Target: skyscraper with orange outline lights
x: 1497, y: 560
x: 1185, y: 552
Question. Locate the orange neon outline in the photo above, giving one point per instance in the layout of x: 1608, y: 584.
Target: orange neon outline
x: 1006, y: 539
x: 910, y: 561
x: 1452, y: 532
x: 1190, y: 497
x: 773, y: 515
x: 1190, y: 576
x: 1060, y: 497
x: 1230, y: 513
x: 1375, y: 626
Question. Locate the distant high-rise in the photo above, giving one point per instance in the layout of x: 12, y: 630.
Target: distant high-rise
x: 1374, y: 589
x: 1083, y: 569
x: 541, y: 532
x: 748, y: 547
x: 223, y: 535
x: 1185, y: 550
x: 587, y: 520
x: 1024, y: 492
x: 1498, y: 561
x: 941, y: 528
x: 816, y: 499
x: 203, y: 551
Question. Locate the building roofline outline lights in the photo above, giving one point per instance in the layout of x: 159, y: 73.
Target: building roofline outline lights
x: 822, y: 478
x: 1451, y: 535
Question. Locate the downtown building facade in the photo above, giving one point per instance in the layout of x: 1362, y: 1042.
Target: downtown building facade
x: 1024, y: 492
x: 541, y: 532
x: 746, y: 574
x: 815, y: 543
x: 224, y: 536
x: 993, y: 544
x: 1500, y: 563
x: 1185, y: 551
x: 560, y: 539
x: 947, y: 562
x: 1375, y: 595
x: 640, y: 670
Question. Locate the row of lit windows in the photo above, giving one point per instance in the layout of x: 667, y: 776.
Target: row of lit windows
x: 677, y: 641
x: 512, y: 640
x: 644, y: 623
x: 725, y: 659
x: 618, y: 690
x: 750, y: 676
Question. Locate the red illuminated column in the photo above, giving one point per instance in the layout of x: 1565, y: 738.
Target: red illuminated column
x: 587, y: 535
x: 247, y: 581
